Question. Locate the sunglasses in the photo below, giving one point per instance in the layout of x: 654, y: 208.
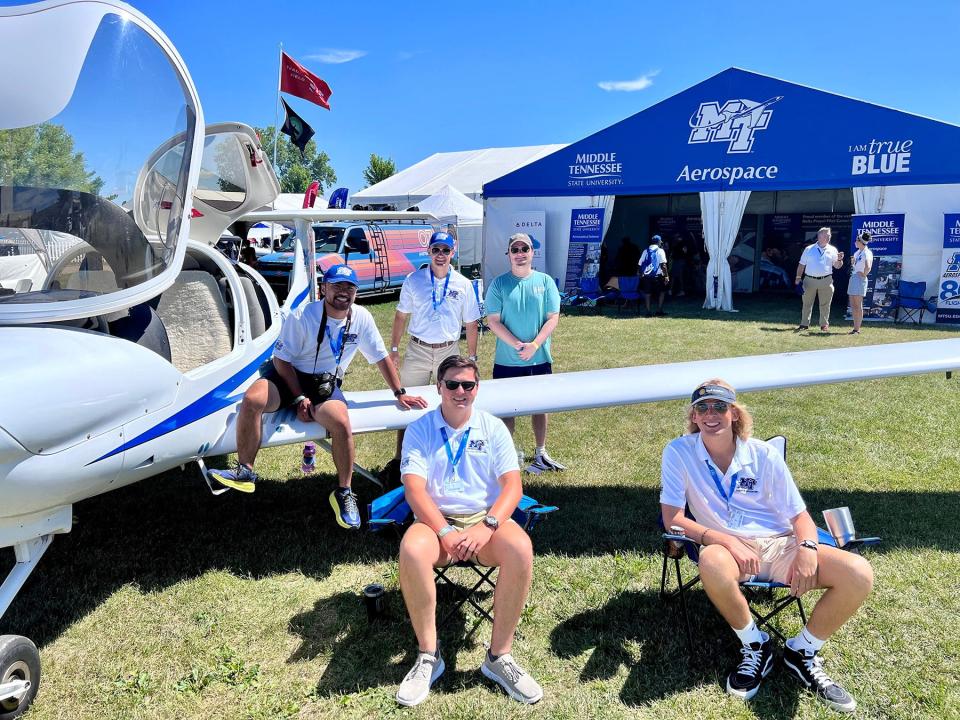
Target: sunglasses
x: 720, y: 407
x: 467, y: 385
x: 440, y: 250
x: 517, y: 249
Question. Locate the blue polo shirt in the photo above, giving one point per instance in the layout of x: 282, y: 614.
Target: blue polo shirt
x: 523, y: 305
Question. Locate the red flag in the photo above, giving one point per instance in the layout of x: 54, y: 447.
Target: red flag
x: 295, y: 79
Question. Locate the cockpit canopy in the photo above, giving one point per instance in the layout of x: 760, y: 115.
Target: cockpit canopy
x: 90, y: 92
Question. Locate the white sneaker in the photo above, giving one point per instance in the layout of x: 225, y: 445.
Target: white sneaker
x: 548, y: 462
x: 512, y: 678
x: 416, y: 685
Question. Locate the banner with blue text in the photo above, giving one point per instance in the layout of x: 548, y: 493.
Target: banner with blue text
x: 583, y: 256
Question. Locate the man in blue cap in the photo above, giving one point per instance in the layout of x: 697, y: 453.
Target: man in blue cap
x: 654, y: 279
x: 317, y: 343
x: 437, y: 301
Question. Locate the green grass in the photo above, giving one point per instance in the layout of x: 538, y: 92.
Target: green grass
x: 167, y: 602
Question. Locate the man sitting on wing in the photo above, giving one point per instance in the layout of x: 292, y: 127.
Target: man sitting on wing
x: 751, y: 523
x: 462, y: 480
x: 317, y: 343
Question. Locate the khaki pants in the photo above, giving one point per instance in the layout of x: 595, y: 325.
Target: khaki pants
x: 812, y: 287
x: 419, y: 366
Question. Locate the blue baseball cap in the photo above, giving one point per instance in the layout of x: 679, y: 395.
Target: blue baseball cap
x: 442, y: 238
x: 657, y: 239
x: 341, y: 273
x: 713, y: 392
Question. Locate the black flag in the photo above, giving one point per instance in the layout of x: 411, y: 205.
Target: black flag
x: 298, y: 130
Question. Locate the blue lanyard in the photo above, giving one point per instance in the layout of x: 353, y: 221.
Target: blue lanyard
x: 433, y: 290
x: 336, y: 347
x: 454, y: 460
x: 821, y: 250
x: 716, y: 481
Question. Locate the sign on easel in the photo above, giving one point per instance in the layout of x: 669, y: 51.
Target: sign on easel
x: 948, y: 294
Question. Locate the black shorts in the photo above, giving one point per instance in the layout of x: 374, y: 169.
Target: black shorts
x: 652, y: 284
x: 512, y: 371
x: 269, y: 372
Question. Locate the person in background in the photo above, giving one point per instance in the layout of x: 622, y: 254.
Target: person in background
x: 751, y: 523
x: 654, y: 278
x: 523, y: 309
x: 859, y: 271
x: 815, y: 271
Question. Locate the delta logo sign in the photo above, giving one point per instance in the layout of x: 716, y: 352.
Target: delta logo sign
x: 735, y: 124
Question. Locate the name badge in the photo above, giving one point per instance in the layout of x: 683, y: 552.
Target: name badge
x: 735, y: 520
x: 453, y: 483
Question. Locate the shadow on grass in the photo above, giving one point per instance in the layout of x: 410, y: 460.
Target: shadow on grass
x: 364, y: 655
x: 638, y: 631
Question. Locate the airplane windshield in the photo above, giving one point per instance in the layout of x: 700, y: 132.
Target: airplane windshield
x: 327, y: 240
x: 73, y: 139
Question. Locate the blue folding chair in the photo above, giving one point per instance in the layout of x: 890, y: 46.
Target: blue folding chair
x: 629, y: 291
x: 391, y: 510
x: 676, y: 546
x: 909, y: 297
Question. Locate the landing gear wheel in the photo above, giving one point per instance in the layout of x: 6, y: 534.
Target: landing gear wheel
x: 19, y: 669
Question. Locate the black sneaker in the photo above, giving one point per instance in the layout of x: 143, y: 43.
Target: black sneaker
x: 801, y: 328
x: 808, y: 667
x: 756, y: 664
x: 344, y: 504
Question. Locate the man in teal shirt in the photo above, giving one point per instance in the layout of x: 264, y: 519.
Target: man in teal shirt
x: 523, y: 309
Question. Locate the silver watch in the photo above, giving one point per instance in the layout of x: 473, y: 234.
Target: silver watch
x: 491, y: 522
x: 809, y: 544
x: 446, y: 530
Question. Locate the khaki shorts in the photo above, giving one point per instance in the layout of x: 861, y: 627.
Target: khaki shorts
x: 419, y: 366
x: 776, y: 557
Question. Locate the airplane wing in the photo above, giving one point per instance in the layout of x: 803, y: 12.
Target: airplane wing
x: 317, y: 215
x: 376, y: 410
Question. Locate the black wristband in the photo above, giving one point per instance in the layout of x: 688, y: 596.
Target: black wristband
x: 401, y: 391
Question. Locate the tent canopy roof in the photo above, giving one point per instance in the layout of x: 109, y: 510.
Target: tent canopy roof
x: 467, y: 171
x: 740, y: 130
x: 450, y: 202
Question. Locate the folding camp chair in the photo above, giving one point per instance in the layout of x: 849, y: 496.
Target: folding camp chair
x: 391, y: 510
x: 909, y: 297
x: 676, y: 546
x: 629, y: 291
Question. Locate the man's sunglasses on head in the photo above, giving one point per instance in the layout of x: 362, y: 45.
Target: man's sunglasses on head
x: 720, y: 407
x: 467, y: 385
x: 440, y: 250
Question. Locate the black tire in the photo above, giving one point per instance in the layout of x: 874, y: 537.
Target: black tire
x: 19, y: 660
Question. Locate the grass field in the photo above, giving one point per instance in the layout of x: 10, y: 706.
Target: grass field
x: 165, y: 602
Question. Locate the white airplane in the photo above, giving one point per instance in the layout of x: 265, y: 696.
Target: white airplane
x: 127, y: 344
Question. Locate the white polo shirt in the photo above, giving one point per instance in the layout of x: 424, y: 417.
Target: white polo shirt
x: 456, y: 306
x: 819, y: 261
x: 488, y: 453
x: 860, y: 260
x: 764, y: 498
x: 657, y: 257
x: 298, y: 339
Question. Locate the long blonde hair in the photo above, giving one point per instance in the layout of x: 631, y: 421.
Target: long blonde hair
x: 742, y: 426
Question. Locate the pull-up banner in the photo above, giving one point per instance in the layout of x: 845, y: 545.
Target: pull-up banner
x: 886, y: 244
x: 948, y: 294
x: 583, y: 255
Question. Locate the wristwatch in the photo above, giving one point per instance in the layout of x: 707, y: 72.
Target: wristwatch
x: 401, y: 391
x: 472, y: 357
x: 394, y: 349
x: 446, y: 530
x: 809, y: 544
x: 491, y: 522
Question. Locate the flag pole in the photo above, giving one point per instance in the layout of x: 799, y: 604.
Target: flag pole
x: 276, y: 112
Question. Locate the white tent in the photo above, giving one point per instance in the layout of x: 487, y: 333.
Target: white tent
x: 452, y: 207
x: 467, y: 171
x: 284, y: 201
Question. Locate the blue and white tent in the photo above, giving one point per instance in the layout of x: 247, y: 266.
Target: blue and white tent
x: 734, y: 133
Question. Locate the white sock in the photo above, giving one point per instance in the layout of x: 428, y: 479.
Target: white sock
x: 806, y: 641
x: 751, y: 634
x: 541, y: 449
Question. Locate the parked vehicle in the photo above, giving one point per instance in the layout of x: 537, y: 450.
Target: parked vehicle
x: 382, y: 254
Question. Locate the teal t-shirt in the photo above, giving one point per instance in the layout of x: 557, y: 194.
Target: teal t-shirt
x: 523, y: 305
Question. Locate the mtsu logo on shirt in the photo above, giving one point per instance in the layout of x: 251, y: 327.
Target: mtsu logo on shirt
x: 350, y: 337
x: 477, y: 445
x: 453, y: 294
x: 747, y: 485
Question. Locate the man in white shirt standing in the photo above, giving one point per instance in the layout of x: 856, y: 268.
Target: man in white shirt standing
x: 437, y: 301
x: 462, y: 480
x: 752, y: 524
x: 654, y: 279
x: 815, y: 271
x: 316, y: 346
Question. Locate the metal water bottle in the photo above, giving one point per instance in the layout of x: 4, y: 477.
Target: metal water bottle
x: 309, y: 458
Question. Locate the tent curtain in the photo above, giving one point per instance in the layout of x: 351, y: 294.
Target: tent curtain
x: 722, y: 212
x: 606, y: 202
x: 868, y: 200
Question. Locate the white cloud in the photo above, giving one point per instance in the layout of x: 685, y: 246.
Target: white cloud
x: 640, y: 83
x: 335, y: 56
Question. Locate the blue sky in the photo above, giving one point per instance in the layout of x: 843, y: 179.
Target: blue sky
x: 411, y: 79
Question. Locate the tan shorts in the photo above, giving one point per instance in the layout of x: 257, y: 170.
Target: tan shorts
x: 776, y: 557
x: 419, y: 366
